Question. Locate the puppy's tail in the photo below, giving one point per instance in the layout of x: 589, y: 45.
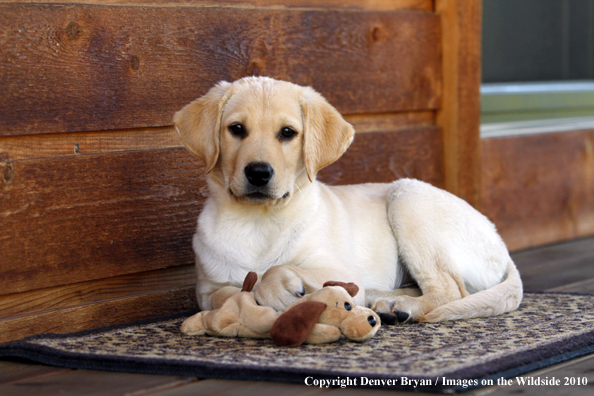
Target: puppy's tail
x: 501, y: 298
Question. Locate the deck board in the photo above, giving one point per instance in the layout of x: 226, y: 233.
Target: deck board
x: 243, y: 388
x: 566, y: 266
x: 555, y: 265
x: 83, y: 382
x: 11, y: 372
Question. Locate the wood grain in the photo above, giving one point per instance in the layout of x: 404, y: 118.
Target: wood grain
x: 70, y: 220
x: 383, y: 157
x: 83, y: 68
x: 539, y: 189
x: 83, y: 143
x: 93, y: 383
x: 11, y: 372
x: 582, y: 286
x: 104, y: 142
x: 90, y: 292
x: 249, y: 388
x: 364, y: 123
x: 74, y: 219
x: 459, y: 116
x: 375, y: 5
x: 99, y: 314
x: 574, y: 257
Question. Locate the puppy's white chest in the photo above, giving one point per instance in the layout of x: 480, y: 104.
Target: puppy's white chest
x: 231, y: 246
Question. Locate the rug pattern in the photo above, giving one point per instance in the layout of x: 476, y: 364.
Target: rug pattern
x: 547, y: 325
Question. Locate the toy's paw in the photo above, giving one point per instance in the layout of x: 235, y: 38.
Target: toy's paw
x: 193, y: 325
x: 401, y: 309
x: 280, y: 287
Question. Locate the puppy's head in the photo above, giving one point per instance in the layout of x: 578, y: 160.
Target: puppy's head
x: 261, y: 139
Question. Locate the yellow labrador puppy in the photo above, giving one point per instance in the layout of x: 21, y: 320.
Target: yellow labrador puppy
x: 262, y: 142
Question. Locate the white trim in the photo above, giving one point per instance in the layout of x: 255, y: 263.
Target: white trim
x: 537, y: 87
x: 502, y: 129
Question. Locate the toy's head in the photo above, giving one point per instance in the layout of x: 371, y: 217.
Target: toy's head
x: 333, y: 306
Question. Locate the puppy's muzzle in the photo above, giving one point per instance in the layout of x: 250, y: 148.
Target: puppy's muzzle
x: 258, y: 173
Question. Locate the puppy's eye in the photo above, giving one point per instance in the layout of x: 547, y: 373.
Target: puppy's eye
x: 347, y: 306
x: 237, y: 130
x: 287, y: 134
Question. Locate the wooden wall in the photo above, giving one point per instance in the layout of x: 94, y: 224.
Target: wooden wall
x: 539, y: 188
x: 98, y: 199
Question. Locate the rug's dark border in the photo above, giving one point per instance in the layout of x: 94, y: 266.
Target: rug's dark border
x: 507, y: 367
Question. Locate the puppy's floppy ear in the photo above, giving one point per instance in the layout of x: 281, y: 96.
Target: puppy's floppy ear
x: 350, y: 287
x: 198, y: 123
x: 292, y: 328
x: 326, y: 134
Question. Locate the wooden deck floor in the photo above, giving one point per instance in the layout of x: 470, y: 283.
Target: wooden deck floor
x: 564, y: 267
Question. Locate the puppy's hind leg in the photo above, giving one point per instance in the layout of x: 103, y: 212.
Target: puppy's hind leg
x: 423, y: 220
x: 371, y: 295
x: 501, y: 298
x: 437, y: 287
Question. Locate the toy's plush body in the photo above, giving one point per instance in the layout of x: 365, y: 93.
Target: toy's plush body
x: 320, y: 317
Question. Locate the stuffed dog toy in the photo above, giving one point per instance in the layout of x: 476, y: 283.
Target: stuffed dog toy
x: 321, y: 317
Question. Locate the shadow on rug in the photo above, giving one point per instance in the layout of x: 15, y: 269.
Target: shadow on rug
x: 445, y: 357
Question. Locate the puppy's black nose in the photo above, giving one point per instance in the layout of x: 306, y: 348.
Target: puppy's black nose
x: 372, y: 320
x: 258, y: 173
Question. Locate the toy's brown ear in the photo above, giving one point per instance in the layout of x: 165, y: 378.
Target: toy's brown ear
x: 292, y: 328
x: 350, y: 287
x: 249, y: 282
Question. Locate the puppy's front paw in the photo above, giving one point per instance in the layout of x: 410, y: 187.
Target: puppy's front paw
x: 407, y: 309
x: 280, y: 287
x: 383, y: 307
x: 402, y: 309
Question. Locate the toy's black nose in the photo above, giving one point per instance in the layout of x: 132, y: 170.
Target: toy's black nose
x: 372, y: 321
x: 258, y: 173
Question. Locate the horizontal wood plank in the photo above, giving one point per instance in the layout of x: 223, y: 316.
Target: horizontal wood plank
x: 93, y: 383
x: 243, y: 388
x: 364, y: 123
x: 539, y: 189
x: 82, y: 143
x: 99, y: 314
x: 582, y: 286
x: 70, y: 220
x: 103, y: 142
x: 571, y: 262
x: 81, y: 68
x: 383, y: 157
x: 375, y: 5
x: 90, y: 292
x: 74, y: 219
x: 11, y: 372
